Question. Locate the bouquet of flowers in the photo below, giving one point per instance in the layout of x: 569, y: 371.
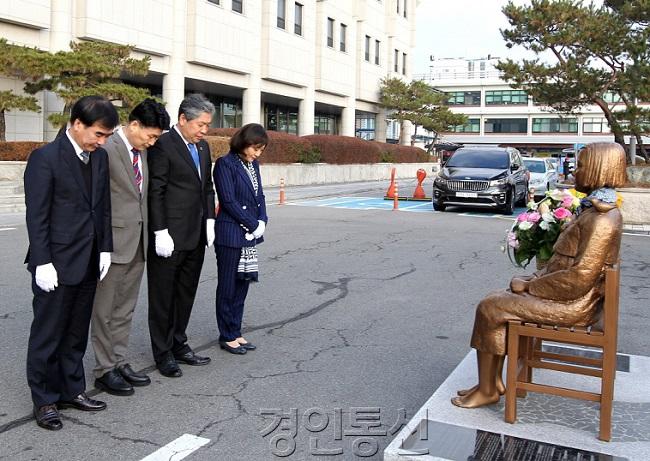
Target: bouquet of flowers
x: 535, y: 231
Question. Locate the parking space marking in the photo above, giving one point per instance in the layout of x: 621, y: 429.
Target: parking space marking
x: 178, y: 449
x: 377, y: 203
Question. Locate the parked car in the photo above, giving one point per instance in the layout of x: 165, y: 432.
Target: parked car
x: 543, y: 175
x: 492, y: 177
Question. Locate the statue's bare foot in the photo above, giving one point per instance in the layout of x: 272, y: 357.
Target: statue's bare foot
x: 475, y: 398
x: 501, y: 389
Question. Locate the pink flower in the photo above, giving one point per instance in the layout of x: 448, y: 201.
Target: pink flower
x: 534, y: 217
x: 512, y: 240
x: 562, y: 213
x: 522, y: 217
x: 567, y: 201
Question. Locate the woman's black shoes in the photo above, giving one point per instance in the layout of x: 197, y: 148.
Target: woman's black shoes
x: 248, y: 346
x: 239, y: 350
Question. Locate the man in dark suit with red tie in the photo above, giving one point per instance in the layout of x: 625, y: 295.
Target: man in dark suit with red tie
x: 181, y: 218
x: 70, y: 243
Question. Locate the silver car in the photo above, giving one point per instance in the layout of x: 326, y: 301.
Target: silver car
x: 543, y: 175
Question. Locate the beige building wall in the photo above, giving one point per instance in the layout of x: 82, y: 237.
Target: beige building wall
x: 204, y: 45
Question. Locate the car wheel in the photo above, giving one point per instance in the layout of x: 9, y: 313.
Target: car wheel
x: 439, y: 205
x: 509, y: 206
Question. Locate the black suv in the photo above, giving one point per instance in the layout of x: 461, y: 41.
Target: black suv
x: 492, y: 177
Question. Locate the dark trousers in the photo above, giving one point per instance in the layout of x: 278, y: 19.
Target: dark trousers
x: 231, y: 293
x: 58, y: 339
x: 172, y: 284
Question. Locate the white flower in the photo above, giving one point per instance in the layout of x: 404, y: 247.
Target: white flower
x: 532, y: 205
x: 525, y: 225
x: 544, y: 225
x: 548, y: 217
x: 557, y: 194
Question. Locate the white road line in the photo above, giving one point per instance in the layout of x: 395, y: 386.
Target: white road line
x: 7, y: 229
x: 178, y: 449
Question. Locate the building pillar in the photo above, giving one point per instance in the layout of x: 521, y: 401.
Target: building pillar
x: 380, y: 126
x: 252, y: 94
x: 348, y: 118
x: 252, y: 104
x: 60, y: 25
x: 174, y: 80
x: 405, y: 138
x: 306, y: 113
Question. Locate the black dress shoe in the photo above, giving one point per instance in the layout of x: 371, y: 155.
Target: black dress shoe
x: 136, y: 379
x: 169, y: 368
x: 48, y: 417
x: 239, y: 350
x: 83, y: 402
x: 113, y: 383
x: 190, y: 358
x: 248, y: 346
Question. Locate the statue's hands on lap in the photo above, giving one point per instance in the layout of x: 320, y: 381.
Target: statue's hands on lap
x: 518, y: 285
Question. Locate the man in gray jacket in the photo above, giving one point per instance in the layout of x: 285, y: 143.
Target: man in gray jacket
x: 117, y: 294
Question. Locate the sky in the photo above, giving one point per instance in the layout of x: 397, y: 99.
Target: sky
x: 461, y: 28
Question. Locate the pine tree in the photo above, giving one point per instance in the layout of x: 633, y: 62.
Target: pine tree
x: 418, y: 103
x: 10, y: 101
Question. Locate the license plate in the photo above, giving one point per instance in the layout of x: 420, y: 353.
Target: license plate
x: 467, y: 194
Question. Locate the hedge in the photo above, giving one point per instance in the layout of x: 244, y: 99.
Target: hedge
x: 345, y: 149
x: 18, y: 151
x: 282, y: 148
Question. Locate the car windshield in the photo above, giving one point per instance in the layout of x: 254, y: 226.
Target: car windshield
x: 535, y: 167
x: 479, y: 159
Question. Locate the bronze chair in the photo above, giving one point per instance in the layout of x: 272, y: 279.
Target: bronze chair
x: 525, y: 343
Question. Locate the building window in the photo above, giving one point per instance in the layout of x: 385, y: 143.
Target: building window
x: 282, y: 5
x: 297, y: 25
x: 396, y: 61
x: 506, y: 125
x: 281, y: 118
x: 594, y: 125
x: 473, y: 125
x: 365, y: 125
x: 377, y: 48
x: 367, y: 48
x: 403, y: 63
x: 330, y: 32
x: 325, y: 124
x: 506, y: 98
x: 464, y: 98
x: 238, y: 6
x: 342, y: 36
x: 555, y: 125
x: 216, y: 2
x: 228, y: 112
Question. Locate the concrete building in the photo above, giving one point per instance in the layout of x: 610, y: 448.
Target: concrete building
x: 499, y: 114
x: 302, y: 67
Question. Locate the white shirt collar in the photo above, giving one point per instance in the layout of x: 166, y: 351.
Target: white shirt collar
x: 120, y: 132
x: 77, y: 150
x: 179, y: 133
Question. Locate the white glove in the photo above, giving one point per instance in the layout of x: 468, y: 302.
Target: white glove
x: 261, y: 227
x: 104, y: 264
x: 209, y: 232
x: 248, y: 236
x: 164, y: 243
x: 46, y: 277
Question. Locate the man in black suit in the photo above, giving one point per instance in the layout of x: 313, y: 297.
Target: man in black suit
x: 181, y: 217
x: 67, y: 194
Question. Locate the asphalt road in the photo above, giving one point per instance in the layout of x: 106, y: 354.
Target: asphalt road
x: 354, y: 309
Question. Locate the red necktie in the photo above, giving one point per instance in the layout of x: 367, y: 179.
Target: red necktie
x: 136, y: 169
